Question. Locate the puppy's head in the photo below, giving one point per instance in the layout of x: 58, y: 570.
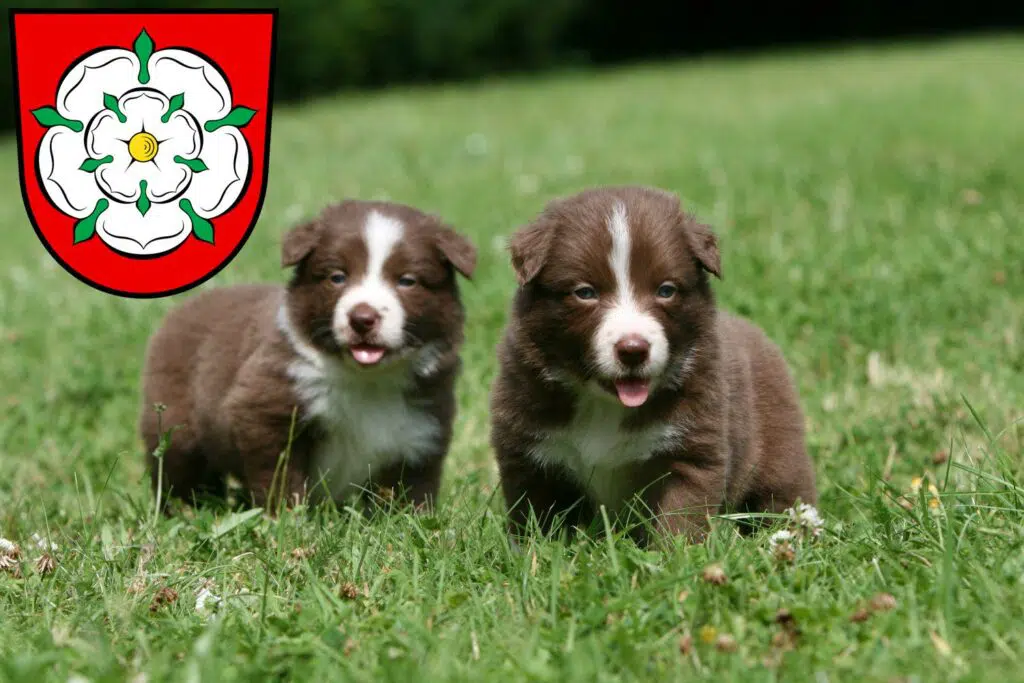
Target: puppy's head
x: 614, y: 289
x: 376, y: 281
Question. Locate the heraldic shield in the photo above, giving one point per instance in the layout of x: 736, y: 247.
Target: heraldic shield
x: 143, y: 140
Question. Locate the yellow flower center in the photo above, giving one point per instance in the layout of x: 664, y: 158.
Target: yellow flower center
x: 142, y: 146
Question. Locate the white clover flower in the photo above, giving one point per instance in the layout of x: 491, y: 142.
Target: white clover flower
x: 206, y: 601
x: 43, y: 543
x: 143, y: 147
x: 779, y: 537
x: 807, y: 518
x: 8, y: 547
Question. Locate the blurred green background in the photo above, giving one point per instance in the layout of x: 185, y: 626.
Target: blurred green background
x: 327, y: 45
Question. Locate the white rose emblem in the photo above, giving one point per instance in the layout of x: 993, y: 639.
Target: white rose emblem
x: 143, y: 147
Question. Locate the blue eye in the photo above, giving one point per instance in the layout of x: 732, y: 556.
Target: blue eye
x: 338, y: 277
x: 406, y: 281
x: 667, y: 291
x: 585, y: 293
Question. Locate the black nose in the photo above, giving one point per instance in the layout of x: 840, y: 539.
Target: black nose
x: 633, y: 350
x: 363, y: 318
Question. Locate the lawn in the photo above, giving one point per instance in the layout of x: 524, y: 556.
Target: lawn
x: 870, y: 212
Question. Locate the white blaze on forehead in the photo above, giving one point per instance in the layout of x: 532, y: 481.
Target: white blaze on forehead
x: 626, y: 317
x: 380, y: 233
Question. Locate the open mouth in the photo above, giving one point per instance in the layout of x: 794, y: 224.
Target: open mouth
x: 632, y: 392
x: 367, y: 354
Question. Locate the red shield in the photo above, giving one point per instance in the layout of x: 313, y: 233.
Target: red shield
x: 143, y: 140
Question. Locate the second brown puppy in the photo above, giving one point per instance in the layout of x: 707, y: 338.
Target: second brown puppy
x: 621, y: 382
x: 350, y: 369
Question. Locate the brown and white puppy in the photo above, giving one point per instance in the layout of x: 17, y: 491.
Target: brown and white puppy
x: 620, y: 381
x: 362, y: 346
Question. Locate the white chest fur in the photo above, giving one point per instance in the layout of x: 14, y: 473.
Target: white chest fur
x: 367, y: 421
x: 596, y: 449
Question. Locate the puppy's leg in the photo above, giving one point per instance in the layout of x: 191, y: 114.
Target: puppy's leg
x: 274, y: 472
x: 406, y: 483
x: 548, y: 494
x: 781, y: 488
x: 272, y: 452
x: 177, y: 465
x: 684, y: 497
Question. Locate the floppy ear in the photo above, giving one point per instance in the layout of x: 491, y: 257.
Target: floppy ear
x: 458, y: 251
x: 704, y: 244
x: 529, y: 248
x: 298, y: 242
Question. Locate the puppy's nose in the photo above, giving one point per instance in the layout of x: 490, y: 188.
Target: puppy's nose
x: 363, y: 318
x: 633, y: 350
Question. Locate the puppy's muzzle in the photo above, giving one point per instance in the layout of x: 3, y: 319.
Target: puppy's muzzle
x: 633, y: 351
x: 364, y: 319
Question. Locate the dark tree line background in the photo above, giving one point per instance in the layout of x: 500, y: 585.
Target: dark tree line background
x: 327, y: 45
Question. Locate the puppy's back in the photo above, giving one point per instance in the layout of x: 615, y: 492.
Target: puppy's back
x: 766, y: 420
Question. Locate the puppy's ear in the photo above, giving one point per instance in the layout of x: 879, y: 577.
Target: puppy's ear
x: 298, y: 242
x: 529, y: 248
x: 458, y: 251
x: 704, y: 244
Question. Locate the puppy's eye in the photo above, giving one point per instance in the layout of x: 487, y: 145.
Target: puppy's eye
x: 407, y: 281
x: 338, y: 277
x: 585, y: 293
x: 667, y: 290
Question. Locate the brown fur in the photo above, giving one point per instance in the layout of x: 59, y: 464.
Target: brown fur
x: 220, y: 362
x: 738, y: 441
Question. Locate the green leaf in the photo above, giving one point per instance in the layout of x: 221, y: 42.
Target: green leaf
x: 90, y: 165
x: 143, y: 47
x: 110, y: 102
x: 86, y: 228
x: 197, y: 165
x: 177, y: 102
x: 238, y: 117
x: 201, y: 228
x: 50, y: 117
x: 143, y: 202
x: 233, y: 521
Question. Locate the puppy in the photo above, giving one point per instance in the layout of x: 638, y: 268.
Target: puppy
x: 346, y: 375
x: 620, y: 382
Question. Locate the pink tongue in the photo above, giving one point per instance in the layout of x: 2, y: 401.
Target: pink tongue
x: 367, y: 355
x: 632, y: 392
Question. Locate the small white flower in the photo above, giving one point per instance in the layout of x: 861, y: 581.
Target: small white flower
x: 807, y: 518
x: 8, y: 547
x: 206, y: 601
x: 781, y: 536
x: 43, y: 543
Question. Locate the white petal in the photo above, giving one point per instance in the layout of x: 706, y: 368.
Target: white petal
x: 71, y: 190
x: 124, y: 229
x: 166, y: 180
x: 207, y: 94
x: 143, y: 108
x: 112, y: 71
x: 180, y: 136
x: 226, y: 155
x: 119, y: 180
x: 106, y: 135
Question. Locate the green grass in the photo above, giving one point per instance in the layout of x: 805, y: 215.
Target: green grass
x: 870, y: 210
